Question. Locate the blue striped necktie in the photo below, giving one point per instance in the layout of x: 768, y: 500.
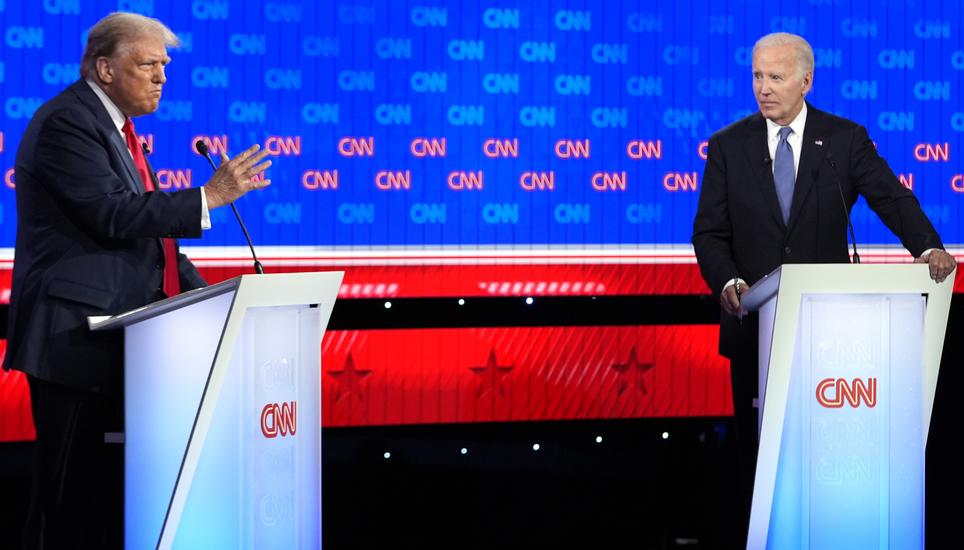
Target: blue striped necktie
x: 784, y: 174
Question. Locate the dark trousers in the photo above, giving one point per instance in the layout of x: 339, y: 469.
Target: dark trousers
x: 743, y: 374
x: 77, y: 495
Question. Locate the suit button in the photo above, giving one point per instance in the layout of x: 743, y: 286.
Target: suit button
x: 158, y: 267
x: 786, y: 250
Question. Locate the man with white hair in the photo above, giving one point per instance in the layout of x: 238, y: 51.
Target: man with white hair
x: 778, y: 188
x: 95, y: 236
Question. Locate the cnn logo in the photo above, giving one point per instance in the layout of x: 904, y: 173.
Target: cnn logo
x: 832, y: 392
x: 279, y: 419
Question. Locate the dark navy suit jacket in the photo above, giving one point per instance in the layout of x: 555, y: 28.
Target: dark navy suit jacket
x: 739, y: 230
x: 88, y: 243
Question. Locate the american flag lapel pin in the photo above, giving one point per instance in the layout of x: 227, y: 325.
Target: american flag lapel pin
x: 819, y: 142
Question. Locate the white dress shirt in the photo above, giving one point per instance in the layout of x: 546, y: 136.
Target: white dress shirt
x: 795, y: 139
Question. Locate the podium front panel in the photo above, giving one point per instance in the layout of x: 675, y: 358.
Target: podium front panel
x: 851, y: 458
x: 258, y: 477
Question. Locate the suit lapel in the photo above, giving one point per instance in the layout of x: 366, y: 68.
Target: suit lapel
x: 150, y: 170
x: 120, y: 147
x: 811, y: 156
x: 755, y: 144
x: 92, y: 102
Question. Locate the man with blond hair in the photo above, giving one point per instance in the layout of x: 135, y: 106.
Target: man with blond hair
x: 778, y: 188
x: 96, y: 237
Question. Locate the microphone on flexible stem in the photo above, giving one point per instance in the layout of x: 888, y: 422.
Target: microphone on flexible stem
x: 202, y: 148
x: 843, y: 202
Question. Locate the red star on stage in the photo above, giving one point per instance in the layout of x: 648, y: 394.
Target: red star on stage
x: 492, y: 374
x: 631, y: 373
x: 349, y: 379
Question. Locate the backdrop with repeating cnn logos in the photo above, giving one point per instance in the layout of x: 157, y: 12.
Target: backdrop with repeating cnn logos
x: 498, y: 123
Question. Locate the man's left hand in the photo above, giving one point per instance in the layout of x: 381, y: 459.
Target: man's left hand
x: 940, y: 262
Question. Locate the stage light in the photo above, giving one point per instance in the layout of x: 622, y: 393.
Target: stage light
x: 464, y: 450
x: 598, y: 439
x: 665, y: 435
x: 388, y: 305
x: 529, y: 301
x: 387, y: 455
x: 461, y: 301
x: 535, y: 447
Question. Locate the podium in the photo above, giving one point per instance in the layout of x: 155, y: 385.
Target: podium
x: 222, y: 431
x: 849, y: 357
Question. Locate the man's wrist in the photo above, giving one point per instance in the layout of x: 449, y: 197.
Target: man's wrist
x: 732, y: 282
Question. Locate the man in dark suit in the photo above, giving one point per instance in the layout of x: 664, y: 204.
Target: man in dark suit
x: 93, y: 239
x: 778, y: 188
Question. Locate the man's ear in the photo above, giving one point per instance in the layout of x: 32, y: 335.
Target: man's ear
x: 105, y: 72
x: 807, y: 82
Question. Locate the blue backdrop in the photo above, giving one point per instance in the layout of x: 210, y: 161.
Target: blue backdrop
x: 469, y: 123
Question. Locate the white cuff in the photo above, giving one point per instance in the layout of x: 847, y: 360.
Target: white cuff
x: 205, y: 214
x: 731, y: 283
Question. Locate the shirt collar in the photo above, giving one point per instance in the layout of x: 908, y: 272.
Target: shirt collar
x: 113, y: 110
x: 797, y: 125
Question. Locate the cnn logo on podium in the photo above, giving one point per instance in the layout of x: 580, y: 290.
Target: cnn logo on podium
x: 279, y: 419
x: 832, y: 392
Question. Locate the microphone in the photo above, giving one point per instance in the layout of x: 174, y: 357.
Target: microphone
x: 843, y: 202
x: 202, y: 148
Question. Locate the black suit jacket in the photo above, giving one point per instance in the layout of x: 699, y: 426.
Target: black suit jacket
x: 739, y: 230
x: 88, y: 243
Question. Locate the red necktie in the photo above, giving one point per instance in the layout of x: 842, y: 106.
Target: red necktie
x: 172, y: 285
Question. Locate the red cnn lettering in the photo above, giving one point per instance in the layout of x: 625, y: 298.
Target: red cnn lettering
x: 314, y: 180
x: 572, y: 149
x: 907, y: 180
x: 703, y: 149
x: 957, y: 183
x: 356, y: 147
x: 538, y: 181
x: 388, y: 180
x: 645, y: 149
x: 852, y: 393
x: 279, y: 419
x: 174, y: 179
x: 609, y: 181
x: 216, y: 144
x: 427, y: 147
x: 8, y: 179
x: 927, y: 152
x: 504, y: 148
x: 283, y: 145
x: 465, y: 181
x: 676, y: 181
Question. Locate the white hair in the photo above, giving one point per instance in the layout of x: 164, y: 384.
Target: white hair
x: 802, y: 50
x: 114, y: 33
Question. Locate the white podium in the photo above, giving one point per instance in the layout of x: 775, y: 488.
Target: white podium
x: 223, y: 414
x: 849, y: 357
